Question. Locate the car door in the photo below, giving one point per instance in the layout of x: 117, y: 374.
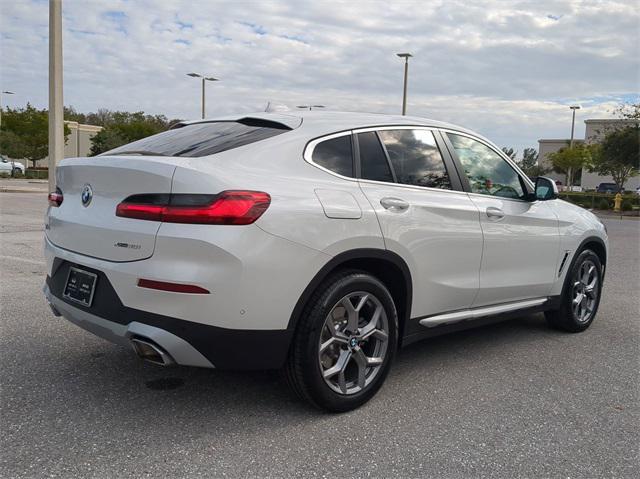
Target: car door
x: 423, y: 214
x: 521, y: 236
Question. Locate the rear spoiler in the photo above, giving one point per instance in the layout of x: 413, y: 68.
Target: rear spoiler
x: 268, y: 120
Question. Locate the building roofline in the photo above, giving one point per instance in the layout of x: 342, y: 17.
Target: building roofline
x: 611, y: 120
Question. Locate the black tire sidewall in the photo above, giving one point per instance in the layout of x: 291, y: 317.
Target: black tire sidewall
x: 566, y: 314
x: 334, y: 291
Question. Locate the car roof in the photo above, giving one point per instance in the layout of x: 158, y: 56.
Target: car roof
x: 316, y: 123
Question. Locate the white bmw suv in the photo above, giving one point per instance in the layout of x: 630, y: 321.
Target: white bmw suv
x: 315, y: 242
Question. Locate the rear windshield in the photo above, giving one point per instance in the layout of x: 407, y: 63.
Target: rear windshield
x: 201, y: 139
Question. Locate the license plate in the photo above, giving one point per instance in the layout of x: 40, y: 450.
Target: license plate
x: 80, y: 286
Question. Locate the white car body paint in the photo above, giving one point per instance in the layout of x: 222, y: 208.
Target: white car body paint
x: 458, y: 257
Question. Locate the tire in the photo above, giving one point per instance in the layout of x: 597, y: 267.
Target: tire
x: 576, y: 317
x: 329, y: 365
x: 16, y: 172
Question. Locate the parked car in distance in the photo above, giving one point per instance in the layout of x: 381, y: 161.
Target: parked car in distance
x: 9, y: 166
x: 608, y: 188
x: 316, y: 242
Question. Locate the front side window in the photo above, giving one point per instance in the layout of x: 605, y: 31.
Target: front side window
x: 488, y: 172
x: 335, y: 155
x: 415, y: 158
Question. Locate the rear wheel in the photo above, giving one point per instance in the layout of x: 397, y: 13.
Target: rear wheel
x: 344, y: 343
x: 581, y: 295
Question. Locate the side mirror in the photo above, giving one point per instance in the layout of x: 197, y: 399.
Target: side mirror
x: 546, y: 189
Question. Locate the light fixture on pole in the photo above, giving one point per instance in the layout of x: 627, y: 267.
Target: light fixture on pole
x: 573, y: 109
x: 4, y: 92
x: 406, y: 74
x: 204, y: 79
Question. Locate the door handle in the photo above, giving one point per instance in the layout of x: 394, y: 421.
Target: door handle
x: 394, y: 204
x: 495, y: 213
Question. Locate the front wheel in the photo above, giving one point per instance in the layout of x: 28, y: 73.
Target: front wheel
x: 344, y: 343
x: 581, y: 295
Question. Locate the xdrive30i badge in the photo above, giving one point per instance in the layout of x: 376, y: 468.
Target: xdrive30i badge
x: 127, y: 245
x: 87, y: 195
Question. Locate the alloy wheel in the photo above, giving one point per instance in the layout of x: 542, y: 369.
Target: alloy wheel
x: 353, y: 343
x: 585, y: 291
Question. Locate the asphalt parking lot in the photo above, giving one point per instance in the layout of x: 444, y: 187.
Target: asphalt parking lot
x: 513, y: 399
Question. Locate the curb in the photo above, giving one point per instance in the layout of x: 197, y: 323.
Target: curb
x: 21, y: 190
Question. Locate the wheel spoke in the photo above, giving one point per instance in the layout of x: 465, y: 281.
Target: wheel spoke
x: 367, y: 361
x: 371, y: 328
x: 353, y: 313
x: 332, y: 340
x: 339, y: 366
x: 362, y: 362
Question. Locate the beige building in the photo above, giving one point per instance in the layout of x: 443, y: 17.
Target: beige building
x: 78, y: 142
x: 595, y: 130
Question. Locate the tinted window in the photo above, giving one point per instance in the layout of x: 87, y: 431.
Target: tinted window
x: 373, y: 161
x: 415, y: 158
x: 488, y: 172
x: 202, y: 139
x: 335, y: 155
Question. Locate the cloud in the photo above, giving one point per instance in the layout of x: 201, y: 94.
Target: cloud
x: 506, y: 69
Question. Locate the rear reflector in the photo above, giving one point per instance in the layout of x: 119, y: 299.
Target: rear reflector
x: 174, y: 287
x: 55, y: 197
x: 227, y: 208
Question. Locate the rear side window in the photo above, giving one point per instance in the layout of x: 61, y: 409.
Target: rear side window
x: 373, y: 160
x: 335, y: 155
x: 415, y: 158
x: 201, y: 139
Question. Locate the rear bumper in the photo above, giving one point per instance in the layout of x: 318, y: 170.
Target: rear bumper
x: 187, y: 343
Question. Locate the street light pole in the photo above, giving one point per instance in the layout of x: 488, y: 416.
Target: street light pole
x: 573, y: 109
x: 406, y: 75
x: 204, y: 78
x: 5, y: 92
x: 56, y: 119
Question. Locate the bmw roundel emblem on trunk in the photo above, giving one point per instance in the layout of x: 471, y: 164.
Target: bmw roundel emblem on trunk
x: 86, y: 195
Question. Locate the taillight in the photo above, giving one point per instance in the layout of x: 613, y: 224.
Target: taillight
x: 231, y: 207
x: 56, y: 197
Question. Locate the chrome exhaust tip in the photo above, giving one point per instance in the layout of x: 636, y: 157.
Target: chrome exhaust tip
x: 151, y: 352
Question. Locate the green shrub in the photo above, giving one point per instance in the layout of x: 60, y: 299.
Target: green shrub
x: 37, y: 174
x: 4, y: 174
x: 603, y: 204
x: 626, y: 205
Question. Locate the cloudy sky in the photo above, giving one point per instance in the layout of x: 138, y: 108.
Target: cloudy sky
x: 508, y: 69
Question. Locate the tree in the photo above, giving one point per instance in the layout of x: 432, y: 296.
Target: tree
x: 510, y: 152
x: 618, y: 155
x: 121, y: 127
x: 529, y: 163
x: 569, y: 160
x: 25, y: 133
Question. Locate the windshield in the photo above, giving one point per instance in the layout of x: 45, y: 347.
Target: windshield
x: 201, y: 139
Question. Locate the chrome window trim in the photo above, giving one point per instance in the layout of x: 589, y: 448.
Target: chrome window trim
x: 410, y: 187
x: 308, y: 154
x: 311, y: 145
